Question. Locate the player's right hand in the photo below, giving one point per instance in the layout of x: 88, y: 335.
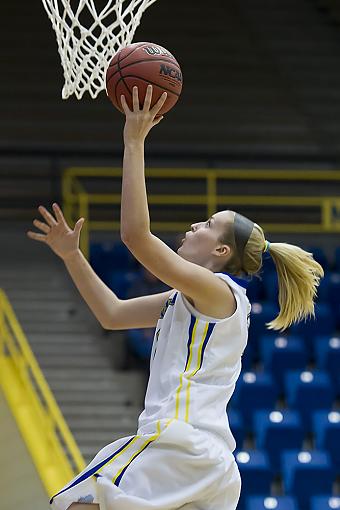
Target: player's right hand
x: 56, y: 233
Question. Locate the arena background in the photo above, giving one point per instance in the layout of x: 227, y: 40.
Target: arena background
x: 256, y: 130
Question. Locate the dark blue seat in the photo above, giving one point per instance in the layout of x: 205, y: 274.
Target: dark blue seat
x: 276, y: 431
x: 325, y: 502
x: 253, y: 391
x: 326, y: 428
x: 140, y: 342
x: 261, y: 313
x: 306, y: 474
x: 236, y: 426
x: 255, y: 473
x: 271, y: 287
x: 271, y: 502
x: 248, y: 357
x: 327, y: 355
x: 323, y: 324
x: 281, y: 354
x: 255, y: 290
x: 320, y: 256
x: 120, y: 281
x: 307, y: 392
x: 337, y: 259
x: 108, y: 256
x: 334, y: 293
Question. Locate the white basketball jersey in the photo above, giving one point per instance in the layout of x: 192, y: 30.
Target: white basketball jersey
x: 195, y: 363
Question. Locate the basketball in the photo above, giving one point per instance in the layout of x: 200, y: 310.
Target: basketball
x: 142, y: 64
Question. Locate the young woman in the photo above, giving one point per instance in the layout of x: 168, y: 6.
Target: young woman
x: 181, y: 456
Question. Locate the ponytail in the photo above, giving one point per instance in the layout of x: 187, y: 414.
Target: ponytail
x: 298, y: 277
x: 298, y: 273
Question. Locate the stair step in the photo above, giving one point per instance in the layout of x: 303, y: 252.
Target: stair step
x: 84, y: 362
x: 85, y: 411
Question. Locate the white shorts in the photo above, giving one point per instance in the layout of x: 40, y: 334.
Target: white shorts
x: 176, y: 467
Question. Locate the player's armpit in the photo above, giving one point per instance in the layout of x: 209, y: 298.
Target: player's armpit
x: 194, y: 281
x: 139, y: 312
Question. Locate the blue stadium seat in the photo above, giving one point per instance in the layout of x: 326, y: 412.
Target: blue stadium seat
x: 334, y: 293
x: 236, y: 426
x: 271, y: 502
x: 280, y: 354
x: 120, y: 281
x: 307, y: 392
x: 276, y: 431
x: 248, y: 357
x: 255, y: 473
x: 325, y: 502
x: 140, y: 342
x: 255, y: 290
x: 323, y: 290
x: 270, y: 284
x: 323, y: 324
x: 337, y: 259
x: 261, y: 313
x: 253, y: 391
x: 326, y: 428
x: 306, y: 474
x: 327, y: 355
x: 110, y: 256
x: 319, y: 255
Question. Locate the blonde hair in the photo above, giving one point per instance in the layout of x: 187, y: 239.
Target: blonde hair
x: 297, y: 272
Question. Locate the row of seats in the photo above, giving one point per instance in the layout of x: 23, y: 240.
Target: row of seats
x: 268, y: 502
x: 304, y: 474
x: 275, y: 431
x: 305, y: 391
x: 278, y: 354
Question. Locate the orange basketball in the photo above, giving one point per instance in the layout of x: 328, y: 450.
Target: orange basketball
x: 142, y: 64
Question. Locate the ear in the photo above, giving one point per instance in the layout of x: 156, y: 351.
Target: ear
x: 223, y: 250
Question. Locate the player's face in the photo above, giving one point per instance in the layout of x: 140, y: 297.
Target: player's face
x: 201, y: 244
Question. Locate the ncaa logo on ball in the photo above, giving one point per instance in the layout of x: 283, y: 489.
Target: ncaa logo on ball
x: 166, y: 70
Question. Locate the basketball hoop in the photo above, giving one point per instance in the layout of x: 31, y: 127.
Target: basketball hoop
x: 89, y: 33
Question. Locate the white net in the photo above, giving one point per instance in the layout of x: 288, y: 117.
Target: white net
x: 89, y: 33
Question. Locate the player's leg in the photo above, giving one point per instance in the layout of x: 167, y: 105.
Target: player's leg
x: 83, y: 506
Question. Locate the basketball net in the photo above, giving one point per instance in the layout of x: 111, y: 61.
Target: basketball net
x: 89, y: 35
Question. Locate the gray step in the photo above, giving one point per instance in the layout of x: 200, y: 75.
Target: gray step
x: 84, y: 362
x: 61, y: 328
x: 66, y: 349
x: 39, y: 339
x: 85, y: 412
x: 89, y: 425
x: 97, y: 398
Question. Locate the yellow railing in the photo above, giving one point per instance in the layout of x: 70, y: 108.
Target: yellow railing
x: 77, y: 200
x: 46, y: 434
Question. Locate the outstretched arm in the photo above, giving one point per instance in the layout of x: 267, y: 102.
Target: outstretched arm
x: 111, y: 312
x: 193, y: 280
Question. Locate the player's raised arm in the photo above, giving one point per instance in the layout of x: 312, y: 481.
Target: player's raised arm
x: 195, y: 281
x: 111, y: 312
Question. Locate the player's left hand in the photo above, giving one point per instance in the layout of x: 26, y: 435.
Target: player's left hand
x: 139, y: 121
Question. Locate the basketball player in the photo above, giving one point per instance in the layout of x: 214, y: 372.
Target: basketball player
x: 182, y: 454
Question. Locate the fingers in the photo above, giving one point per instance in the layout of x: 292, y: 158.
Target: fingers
x: 59, y: 214
x: 135, y: 99
x: 42, y: 226
x: 158, y: 106
x: 147, y: 100
x: 36, y: 237
x: 124, y: 105
x: 48, y: 216
x: 78, y: 225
